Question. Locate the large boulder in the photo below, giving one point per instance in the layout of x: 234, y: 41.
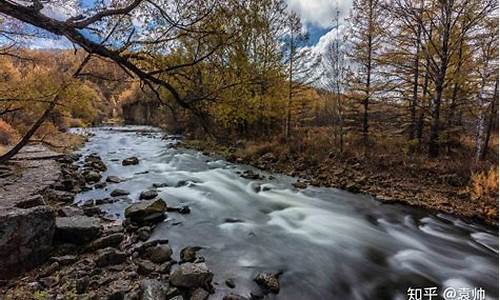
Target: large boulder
x: 190, y: 275
x: 153, y: 289
x: 25, y: 238
x: 146, y: 211
x: 77, y: 229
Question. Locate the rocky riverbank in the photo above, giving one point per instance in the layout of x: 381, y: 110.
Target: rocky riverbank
x: 78, y: 252
x: 389, y: 181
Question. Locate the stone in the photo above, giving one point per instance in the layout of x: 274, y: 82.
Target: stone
x: 119, y: 193
x: 249, y: 174
x: 130, y: 161
x: 190, y: 275
x: 118, y: 289
x: 300, y: 184
x: 64, y: 260
x: 109, y: 257
x: 268, y: 282
x: 159, y: 254
x: 69, y: 211
x: 144, y: 267
x: 71, y: 183
x: 184, y: 209
x: 82, y: 284
x: 230, y: 283
x: 133, y: 295
x: 199, y: 294
x: 30, y: 202
x: 59, y: 196
x: 34, y: 286
x: 144, y: 233
x: 188, y: 254
x: 153, y: 290
x: 148, y: 195
x: 53, y: 267
x: 146, y: 211
x: 108, y: 200
x: 77, y: 229
x: 112, y: 240
x: 353, y: 187
x: 234, y: 297
x: 160, y: 185
x: 92, y: 211
x: 49, y: 282
x: 91, y: 176
x: 25, y: 238
x: 268, y: 157
x: 165, y: 268
x: 100, y: 185
x: 113, y: 179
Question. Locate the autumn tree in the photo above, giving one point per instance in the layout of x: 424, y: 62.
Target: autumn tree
x: 334, y: 79
x: 367, y: 23
x: 487, y: 79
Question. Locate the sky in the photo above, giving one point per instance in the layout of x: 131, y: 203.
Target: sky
x: 317, y: 17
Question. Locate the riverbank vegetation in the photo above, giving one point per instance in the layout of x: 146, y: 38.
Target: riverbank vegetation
x: 402, y: 104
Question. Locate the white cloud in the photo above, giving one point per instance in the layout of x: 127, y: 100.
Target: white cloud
x: 49, y: 43
x: 62, y: 10
x: 319, y: 12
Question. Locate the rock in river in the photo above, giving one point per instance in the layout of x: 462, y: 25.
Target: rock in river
x: 77, y: 229
x: 119, y: 193
x: 188, y: 254
x: 113, y: 179
x: 130, y: 161
x: 148, y: 195
x: 159, y: 253
x: 268, y: 282
x: 91, y: 176
x: 192, y: 275
x: 146, y: 211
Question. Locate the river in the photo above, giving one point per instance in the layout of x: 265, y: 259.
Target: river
x: 329, y: 244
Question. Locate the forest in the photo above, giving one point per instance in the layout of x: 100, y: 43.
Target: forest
x: 401, y: 104
x: 414, y: 82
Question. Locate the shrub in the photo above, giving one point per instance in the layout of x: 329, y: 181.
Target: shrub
x: 8, y: 135
x: 484, y: 184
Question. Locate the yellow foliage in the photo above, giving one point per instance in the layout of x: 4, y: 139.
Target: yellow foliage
x: 484, y: 183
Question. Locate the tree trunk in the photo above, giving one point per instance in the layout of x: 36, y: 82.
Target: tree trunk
x: 440, y: 80
x: 414, y: 100
x: 482, y: 124
x: 493, y: 113
x: 366, y: 101
x: 290, y: 91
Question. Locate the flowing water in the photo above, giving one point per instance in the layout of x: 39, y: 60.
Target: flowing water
x: 329, y: 244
